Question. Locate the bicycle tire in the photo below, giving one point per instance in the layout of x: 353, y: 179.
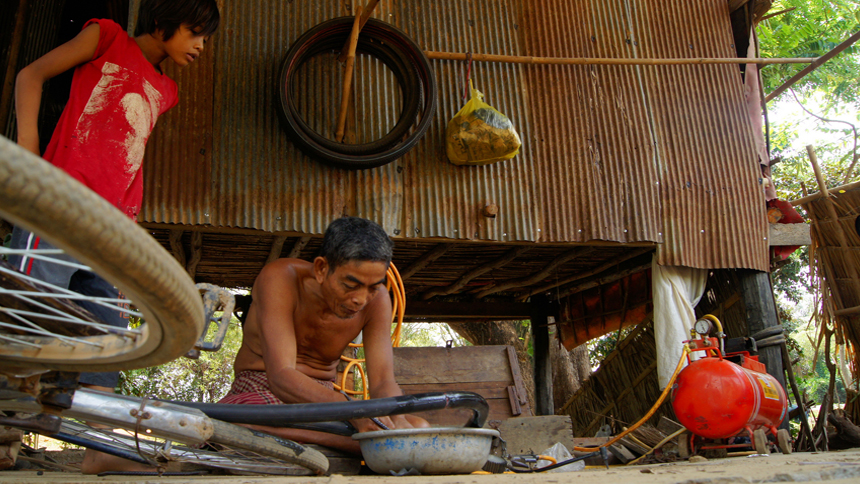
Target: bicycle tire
x: 43, y: 199
x: 374, y: 35
x: 239, y: 450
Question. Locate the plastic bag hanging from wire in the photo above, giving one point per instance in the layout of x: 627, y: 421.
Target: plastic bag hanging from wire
x: 479, y: 134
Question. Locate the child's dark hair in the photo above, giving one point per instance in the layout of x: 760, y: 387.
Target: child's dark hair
x: 169, y: 15
x: 350, y: 239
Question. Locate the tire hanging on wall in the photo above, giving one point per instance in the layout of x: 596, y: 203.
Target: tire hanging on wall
x: 400, y: 54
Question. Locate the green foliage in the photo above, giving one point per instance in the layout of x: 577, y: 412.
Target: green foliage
x: 600, y: 348
x: 429, y: 334
x: 813, y: 379
x: 206, y: 379
x: 811, y: 30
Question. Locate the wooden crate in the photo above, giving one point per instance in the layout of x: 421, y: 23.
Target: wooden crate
x: 491, y: 371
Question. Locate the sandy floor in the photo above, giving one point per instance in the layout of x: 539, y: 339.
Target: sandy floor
x: 835, y: 467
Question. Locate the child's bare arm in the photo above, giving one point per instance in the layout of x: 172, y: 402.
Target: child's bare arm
x: 28, y: 85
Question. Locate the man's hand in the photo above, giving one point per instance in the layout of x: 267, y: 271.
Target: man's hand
x: 394, y: 422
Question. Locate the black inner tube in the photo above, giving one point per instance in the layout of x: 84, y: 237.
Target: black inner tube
x: 410, y: 67
x: 301, y: 415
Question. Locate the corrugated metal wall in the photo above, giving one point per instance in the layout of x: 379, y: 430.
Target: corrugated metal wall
x: 626, y: 154
x: 631, y: 153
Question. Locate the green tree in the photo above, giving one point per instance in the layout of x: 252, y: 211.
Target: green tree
x: 206, y: 379
x: 811, y: 29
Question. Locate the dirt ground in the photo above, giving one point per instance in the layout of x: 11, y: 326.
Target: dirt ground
x: 840, y: 467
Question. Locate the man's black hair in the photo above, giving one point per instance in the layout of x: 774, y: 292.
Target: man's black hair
x: 355, y: 239
x: 202, y: 16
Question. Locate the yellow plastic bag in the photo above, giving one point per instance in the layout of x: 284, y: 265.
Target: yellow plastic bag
x: 479, y: 135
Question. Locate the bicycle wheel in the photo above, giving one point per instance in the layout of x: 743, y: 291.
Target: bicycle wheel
x: 41, y: 328
x: 232, y: 448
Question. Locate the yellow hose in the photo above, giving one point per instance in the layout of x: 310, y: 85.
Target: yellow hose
x: 394, y: 284
x: 650, y: 413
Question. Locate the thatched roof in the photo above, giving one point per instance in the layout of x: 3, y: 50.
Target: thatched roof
x: 835, y: 259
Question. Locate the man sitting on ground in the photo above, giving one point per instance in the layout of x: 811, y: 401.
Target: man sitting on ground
x: 304, y: 315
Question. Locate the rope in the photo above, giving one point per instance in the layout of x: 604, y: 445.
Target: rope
x: 394, y: 285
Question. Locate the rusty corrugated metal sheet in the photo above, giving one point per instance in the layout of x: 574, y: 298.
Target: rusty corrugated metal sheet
x: 625, y: 154
x: 260, y: 180
x: 660, y: 153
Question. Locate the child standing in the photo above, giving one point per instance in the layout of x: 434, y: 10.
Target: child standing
x: 118, y: 92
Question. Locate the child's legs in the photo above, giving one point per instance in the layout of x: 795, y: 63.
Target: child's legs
x: 83, y: 282
x: 90, y: 284
x: 56, y: 274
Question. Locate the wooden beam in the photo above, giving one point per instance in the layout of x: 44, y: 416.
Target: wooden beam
x: 589, y: 273
x: 277, y: 246
x: 789, y: 234
x: 537, y: 276
x: 176, y: 248
x: 736, y: 4
x: 300, y: 244
x: 499, y: 310
x: 482, y: 269
x: 425, y: 260
x: 605, y: 279
x: 196, y: 253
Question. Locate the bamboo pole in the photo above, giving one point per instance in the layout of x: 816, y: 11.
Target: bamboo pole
x: 515, y: 59
x: 368, y: 9
x: 815, y: 196
x: 347, y: 75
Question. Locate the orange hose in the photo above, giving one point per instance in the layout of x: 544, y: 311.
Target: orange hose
x: 650, y: 413
x: 394, y: 284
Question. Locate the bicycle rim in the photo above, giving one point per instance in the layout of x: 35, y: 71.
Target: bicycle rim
x: 44, y: 200
x: 265, y: 456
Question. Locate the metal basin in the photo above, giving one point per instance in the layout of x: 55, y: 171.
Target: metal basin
x: 443, y: 450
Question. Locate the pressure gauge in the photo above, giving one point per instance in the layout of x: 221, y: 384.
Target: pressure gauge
x: 703, y: 327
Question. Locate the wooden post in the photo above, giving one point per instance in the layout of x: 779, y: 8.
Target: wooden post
x: 761, y: 314
x: 543, y: 365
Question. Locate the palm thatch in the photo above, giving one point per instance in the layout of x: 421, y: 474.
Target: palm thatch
x: 834, y: 257
x: 625, y: 386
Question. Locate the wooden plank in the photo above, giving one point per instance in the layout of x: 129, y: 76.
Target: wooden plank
x: 481, y: 310
x: 496, y: 389
x: 516, y: 410
x: 517, y: 375
x: 525, y: 435
x: 451, y: 365
x: 789, y: 234
x: 500, y: 410
x: 668, y: 426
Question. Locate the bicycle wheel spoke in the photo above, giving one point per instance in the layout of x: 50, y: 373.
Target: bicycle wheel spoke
x: 42, y: 254
x: 144, y: 448
x: 40, y: 332
x: 63, y: 293
x: 19, y: 341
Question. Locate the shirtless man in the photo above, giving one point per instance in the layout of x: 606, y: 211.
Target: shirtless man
x: 304, y: 315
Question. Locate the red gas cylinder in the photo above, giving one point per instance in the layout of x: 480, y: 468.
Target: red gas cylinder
x: 716, y: 399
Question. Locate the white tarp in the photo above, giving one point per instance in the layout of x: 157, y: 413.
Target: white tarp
x: 677, y: 290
